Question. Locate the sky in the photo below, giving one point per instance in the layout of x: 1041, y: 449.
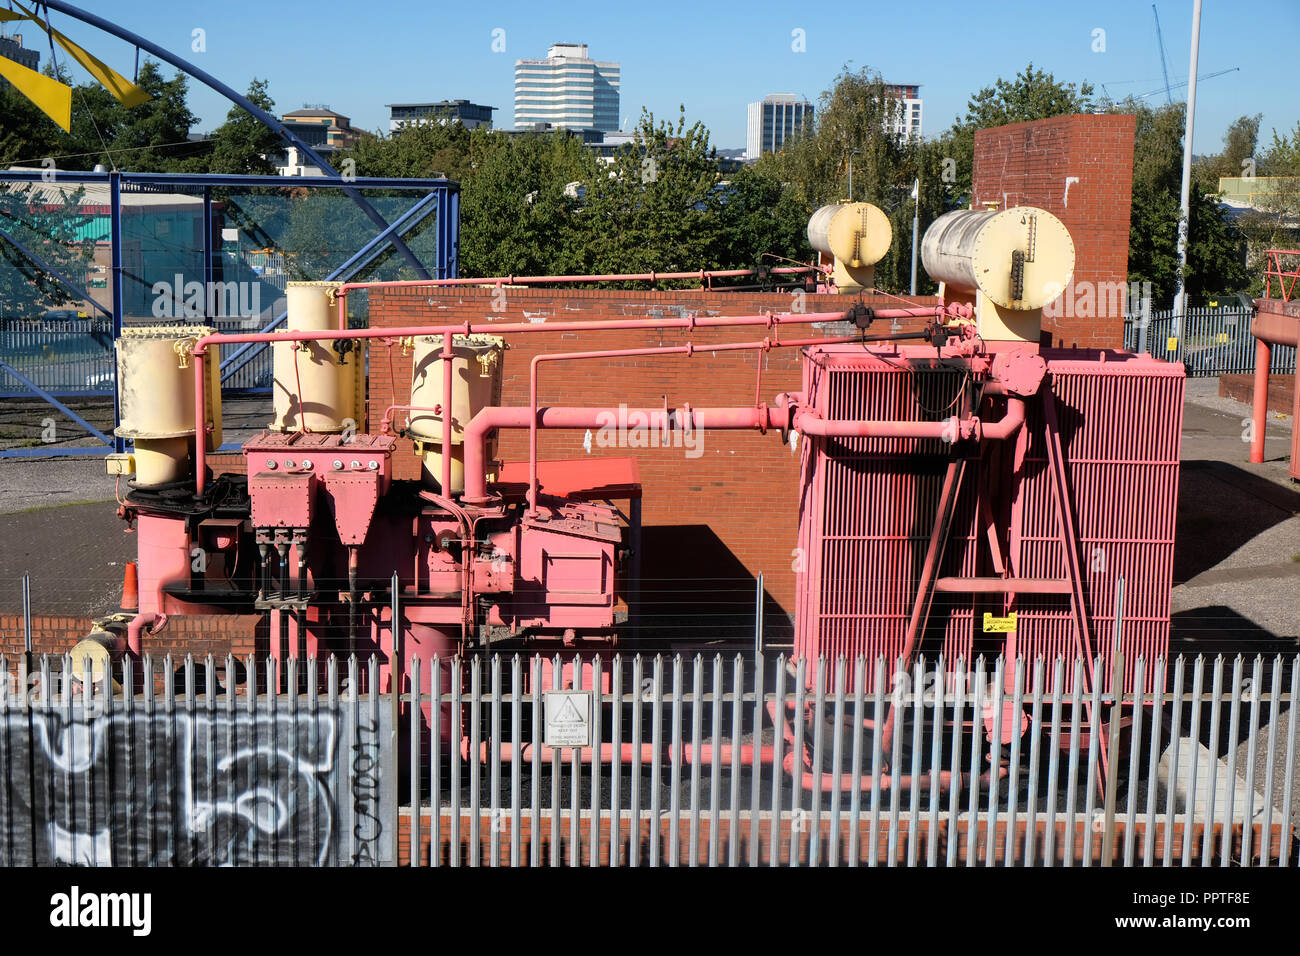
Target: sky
x: 712, y: 58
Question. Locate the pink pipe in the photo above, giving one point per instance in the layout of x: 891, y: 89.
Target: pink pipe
x: 688, y: 349
x: 341, y: 293
x: 1259, y: 404
x: 385, y: 422
x: 497, y: 417
x: 448, y: 363
x: 135, y: 632
x: 769, y: 320
x: 809, y: 422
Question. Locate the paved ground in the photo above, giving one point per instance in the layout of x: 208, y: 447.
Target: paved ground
x: 1237, y: 563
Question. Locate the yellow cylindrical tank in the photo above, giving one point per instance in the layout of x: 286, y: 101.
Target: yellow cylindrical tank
x: 857, y: 235
x: 476, y: 384
x: 1019, y: 258
x: 155, y: 375
x: 331, y: 383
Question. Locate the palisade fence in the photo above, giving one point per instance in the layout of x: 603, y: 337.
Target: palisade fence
x: 646, y: 760
x: 1210, y: 342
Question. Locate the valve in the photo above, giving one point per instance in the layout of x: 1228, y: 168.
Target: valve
x: 183, y: 348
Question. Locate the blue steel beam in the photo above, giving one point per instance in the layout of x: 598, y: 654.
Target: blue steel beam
x: 54, y: 273
x: 51, y: 400
x: 358, y: 261
x: 265, y: 118
x: 230, y: 180
x: 119, y: 307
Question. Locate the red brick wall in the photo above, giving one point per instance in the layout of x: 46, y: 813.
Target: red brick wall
x: 726, y: 515
x: 197, y: 634
x: 1029, y: 164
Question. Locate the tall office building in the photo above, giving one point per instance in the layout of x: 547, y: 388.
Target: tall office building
x: 773, y: 120
x: 908, y: 121
x: 11, y: 48
x: 568, y: 90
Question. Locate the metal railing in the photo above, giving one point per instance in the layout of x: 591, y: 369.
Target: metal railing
x: 652, y: 760
x: 1208, y: 342
x: 220, y: 772
x: 1273, y: 270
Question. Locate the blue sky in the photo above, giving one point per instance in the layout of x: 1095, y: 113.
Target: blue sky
x: 357, y: 57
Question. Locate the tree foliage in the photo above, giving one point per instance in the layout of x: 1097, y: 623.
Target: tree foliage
x: 1032, y: 95
x: 242, y: 145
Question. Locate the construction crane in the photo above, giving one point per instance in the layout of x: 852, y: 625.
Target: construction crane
x: 1204, y: 76
x: 1164, y: 67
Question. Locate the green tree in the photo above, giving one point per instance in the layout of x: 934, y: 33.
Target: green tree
x: 242, y: 144
x: 417, y: 151
x: 1032, y: 95
x: 1215, y: 252
x: 26, y: 134
x: 152, y: 137
x: 45, y: 220
x: 656, y: 206
x: 518, y: 209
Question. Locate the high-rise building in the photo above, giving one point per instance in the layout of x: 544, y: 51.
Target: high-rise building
x: 908, y: 120
x: 567, y: 90
x: 775, y: 119
x: 470, y: 115
x: 11, y: 48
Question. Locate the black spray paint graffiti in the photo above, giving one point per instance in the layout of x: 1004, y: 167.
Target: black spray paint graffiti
x: 179, y: 788
x: 366, y: 827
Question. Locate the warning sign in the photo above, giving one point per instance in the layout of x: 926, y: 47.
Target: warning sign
x: 999, y: 625
x: 568, y: 718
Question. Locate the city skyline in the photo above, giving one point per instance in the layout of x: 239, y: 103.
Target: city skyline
x: 470, y: 54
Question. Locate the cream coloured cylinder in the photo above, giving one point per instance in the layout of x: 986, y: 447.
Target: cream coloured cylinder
x: 1020, y: 258
x: 155, y: 374
x: 856, y: 235
x: 475, y: 384
x: 329, y: 383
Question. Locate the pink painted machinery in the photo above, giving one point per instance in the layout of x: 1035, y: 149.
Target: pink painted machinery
x: 972, y: 493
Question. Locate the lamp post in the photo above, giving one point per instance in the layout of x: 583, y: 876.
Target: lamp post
x: 916, y: 223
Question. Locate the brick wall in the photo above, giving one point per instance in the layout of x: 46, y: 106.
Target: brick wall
x: 197, y: 634
x: 721, y: 517
x: 1029, y: 164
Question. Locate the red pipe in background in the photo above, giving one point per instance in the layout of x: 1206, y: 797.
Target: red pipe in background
x: 497, y: 417
x: 769, y: 320
x: 688, y: 349
x: 702, y: 274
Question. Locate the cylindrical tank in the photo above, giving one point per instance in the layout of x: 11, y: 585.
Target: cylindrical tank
x: 1020, y: 258
x: 330, y: 382
x: 856, y: 236
x: 155, y: 374
x: 476, y: 384
x: 856, y: 233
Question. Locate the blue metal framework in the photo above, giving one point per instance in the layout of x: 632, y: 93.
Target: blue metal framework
x: 263, y: 117
x: 442, y: 200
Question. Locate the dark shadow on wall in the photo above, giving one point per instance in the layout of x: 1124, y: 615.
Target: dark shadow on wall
x: 694, y: 590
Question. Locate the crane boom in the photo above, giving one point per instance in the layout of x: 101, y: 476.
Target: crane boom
x: 1163, y: 65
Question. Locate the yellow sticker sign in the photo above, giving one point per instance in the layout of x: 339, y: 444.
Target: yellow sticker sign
x: 999, y: 625
x: 1223, y: 336
x: 1172, y: 344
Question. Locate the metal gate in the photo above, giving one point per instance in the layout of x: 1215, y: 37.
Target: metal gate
x: 650, y: 761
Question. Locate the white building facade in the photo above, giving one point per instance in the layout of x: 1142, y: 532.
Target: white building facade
x: 773, y: 120
x: 567, y: 90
